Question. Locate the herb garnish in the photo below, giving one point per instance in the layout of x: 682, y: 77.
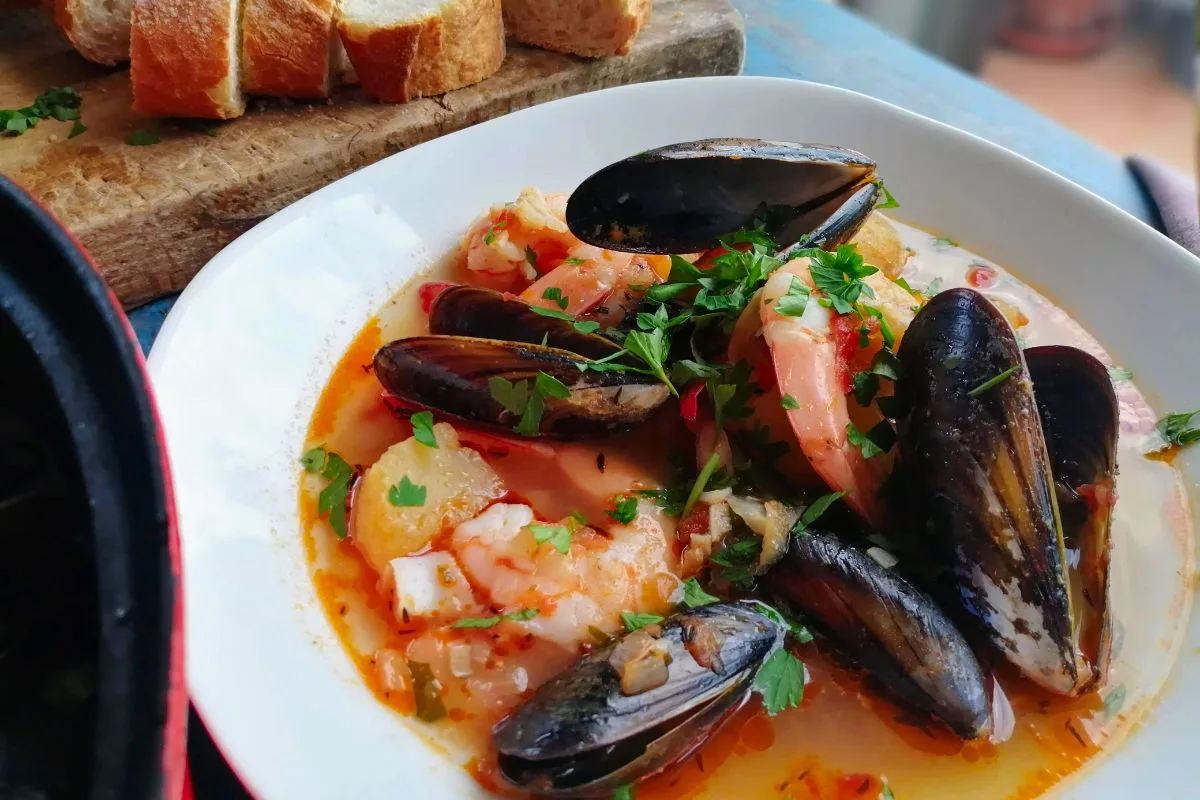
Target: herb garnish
x: 572, y: 262
x: 788, y: 402
x: 710, y: 467
x: 422, y: 425
x: 427, y: 692
x: 1176, y: 430
x: 332, y: 500
x: 886, y: 793
x: 884, y: 364
x: 995, y: 381
x: 814, y: 511
x: 559, y: 536
x: 1116, y: 374
x: 490, y: 236
x: 633, y: 622
x: 531, y: 257
x: 61, y: 104
x: 524, y: 615
x: 519, y: 398
x: 839, y: 275
x: 737, y: 559
x: 944, y: 243
x: 140, y: 138
x: 795, y: 301
x: 624, y: 792
x: 1115, y: 701
x: 555, y: 294
x: 888, y: 200
x: 583, y: 326
x: 406, y: 494
x: 625, y: 510
x: 694, y: 595
x: 874, y: 442
x: 780, y: 681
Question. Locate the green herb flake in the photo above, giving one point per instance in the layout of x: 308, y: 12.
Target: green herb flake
x: 314, y: 460
x: 427, y: 692
x: 422, y: 425
x: 780, y: 681
x: 332, y: 499
x: 77, y: 129
x: 558, y: 536
x: 549, y: 386
x: 702, y: 479
x: 633, y: 622
x: 933, y: 288
x: 552, y: 312
x: 788, y: 402
x: 625, y: 510
x: 531, y: 257
x: 555, y: 294
x: 888, y: 200
x: 586, y: 326
x: 1115, y: 701
x: 406, y: 494
x: 62, y: 104
x: 1176, y: 430
x: 530, y: 423
x: 579, y: 517
x: 1117, y: 374
x: 886, y: 793
x: 524, y: 615
x: 874, y: 442
x: 490, y: 236
x: 839, y: 275
x: 995, y: 381
x: 624, y: 792
x: 814, y: 511
x: 140, y: 138
x: 513, y: 396
x: 944, y: 243
x: 694, y: 595
x: 572, y: 262
x: 795, y: 301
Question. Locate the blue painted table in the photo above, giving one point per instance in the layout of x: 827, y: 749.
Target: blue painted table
x: 815, y: 41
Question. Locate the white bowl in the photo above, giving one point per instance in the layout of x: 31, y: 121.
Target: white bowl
x: 240, y: 362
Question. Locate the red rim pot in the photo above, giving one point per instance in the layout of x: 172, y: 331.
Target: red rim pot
x: 92, y: 697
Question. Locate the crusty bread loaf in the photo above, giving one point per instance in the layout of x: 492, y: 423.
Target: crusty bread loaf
x: 594, y: 28
x: 403, y: 49
x: 97, y: 29
x: 287, y: 47
x: 185, y: 58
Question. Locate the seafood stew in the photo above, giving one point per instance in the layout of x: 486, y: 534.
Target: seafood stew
x: 827, y: 510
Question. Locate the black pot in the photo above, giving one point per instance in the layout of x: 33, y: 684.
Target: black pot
x: 92, y: 698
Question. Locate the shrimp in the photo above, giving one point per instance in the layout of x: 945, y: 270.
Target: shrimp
x: 508, y: 247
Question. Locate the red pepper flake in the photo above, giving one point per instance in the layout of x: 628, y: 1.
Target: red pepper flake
x: 981, y: 276
x: 429, y: 292
x: 689, y: 404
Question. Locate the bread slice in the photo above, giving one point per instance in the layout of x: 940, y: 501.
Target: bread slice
x: 403, y: 49
x: 185, y: 58
x: 594, y: 28
x: 97, y: 29
x: 287, y: 47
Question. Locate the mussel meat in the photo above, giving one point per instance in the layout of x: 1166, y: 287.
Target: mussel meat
x: 683, y: 197
x: 1080, y: 418
x: 584, y: 734
x: 487, y: 314
x: 880, y: 622
x: 453, y: 375
x: 975, y: 455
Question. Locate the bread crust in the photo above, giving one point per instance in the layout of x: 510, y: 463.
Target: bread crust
x: 592, y: 28
x: 97, y: 33
x: 287, y: 47
x: 460, y: 45
x: 182, y: 64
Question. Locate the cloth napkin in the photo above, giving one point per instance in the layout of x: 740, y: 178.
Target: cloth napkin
x: 1174, y: 196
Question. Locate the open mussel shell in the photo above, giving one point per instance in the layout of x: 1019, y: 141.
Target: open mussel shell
x: 582, y: 735
x: 1080, y: 419
x: 973, y: 450
x: 486, y: 314
x: 841, y: 226
x: 881, y: 623
x: 681, y: 198
x: 450, y: 375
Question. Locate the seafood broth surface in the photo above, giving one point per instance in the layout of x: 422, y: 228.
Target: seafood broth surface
x: 842, y: 742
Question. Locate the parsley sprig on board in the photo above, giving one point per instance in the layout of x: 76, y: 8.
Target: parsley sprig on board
x: 61, y: 104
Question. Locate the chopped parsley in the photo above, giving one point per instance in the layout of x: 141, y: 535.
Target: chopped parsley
x: 886, y: 793
x: 795, y: 629
x: 558, y: 536
x: 422, y: 425
x: 528, y: 402
x: 579, y: 517
x: 60, y: 104
x: 531, y: 257
x: 888, y: 200
x: 933, y: 288
x: 625, y: 510
x: 332, y: 500
x: 780, y: 681
x: 1176, y: 429
x: 995, y: 381
x: 490, y: 236
x: 839, y: 275
x: 788, y: 402
x: 695, y: 596
x: 633, y: 622
x: 555, y: 294
x: 874, y: 442
x: 427, y: 692
x: 944, y: 243
x: 884, y: 364
x: 710, y: 467
x: 572, y: 261
x: 814, y: 511
x: 406, y: 494
x: 1115, y: 701
x: 524, y: 615
x: 583, y: 326
x: 624, y: 792
x: 1116, y: 374
x: 140, y: 138
x: 736, y: 561
x: 795, y: 301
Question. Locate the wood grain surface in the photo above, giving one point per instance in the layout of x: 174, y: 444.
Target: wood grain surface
x: 153, y: 215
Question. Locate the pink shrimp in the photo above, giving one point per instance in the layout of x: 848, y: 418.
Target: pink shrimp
x: 596, y: 282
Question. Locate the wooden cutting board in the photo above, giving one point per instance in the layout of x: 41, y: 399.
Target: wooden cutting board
x: 153, y: 215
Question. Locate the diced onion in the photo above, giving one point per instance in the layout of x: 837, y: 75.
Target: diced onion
x: 460, y: 659
x: 883, y: 557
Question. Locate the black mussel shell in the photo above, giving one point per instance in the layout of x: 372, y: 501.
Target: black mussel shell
x: 1080, y: 418
x: 486, y: 314
x: 843, y: 223
x: 681, y: 198
x: 973, y: 448
x: 581, y: 735
x: 880, y: 622
x: 450, y: 375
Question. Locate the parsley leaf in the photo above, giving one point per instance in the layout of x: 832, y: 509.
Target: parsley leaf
x: 586, y: 326
x: 530, y: 423
x: 885, y: 330
x: 579, y: 517
x: 552, y: 312
x: 995, y: 381
x: 695, y: 596
x: 1115, y: 701
x: 625, y: 510
x: 815, y: 509
x: 140, y: 138
x: 559, y: 536
x: 624, y: 792
x: 1176, y: 430
x: 780, y: 681
x: 1116, y: 374
x: 933, y: 288
x: 633, y: 622
x: 874, y: 442
x: 944, y: 243
x: 513, y: 396
x: 798, y: 631
x: 430, y: 706
x: 77, y: 129
x: 554, y: 293
x: 737, y: 557
x: 314, y: 460
x: 866, y: 386
x: 60, y: 104
x: 710, y: 467
x: 652, y: 347
x: 788, y: 402
x: 490, y: 236
x: 839, y: 275
x: 572, y: 262
x: 888, y: 200
x: 332, y: 500
x: 406, y: 494
x: 795, y: 301
x: 886, y: 793
x: 549, y: 386
x: 524, y: 615
x: 422, y: 425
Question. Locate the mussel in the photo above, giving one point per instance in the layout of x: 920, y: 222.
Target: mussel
x: 585, y: 732
x: 880, y: 622
x: 486, y: 314
x: 455, y: 376
x: 976, y: 458
x: 681, y: 198
x: 1080, y: 419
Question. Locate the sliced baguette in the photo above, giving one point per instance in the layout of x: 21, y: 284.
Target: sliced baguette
x: 97, y: 29
x: 185, y: 58
x: 404, y: 49
x: 287, y: 47
x: 594, y: 28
